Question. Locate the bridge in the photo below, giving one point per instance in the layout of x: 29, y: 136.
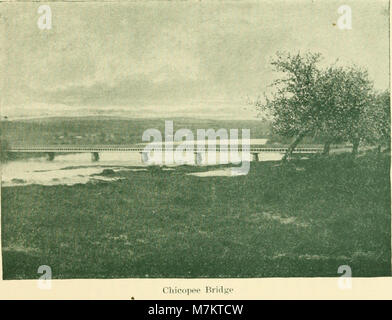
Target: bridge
x: 50, y: 150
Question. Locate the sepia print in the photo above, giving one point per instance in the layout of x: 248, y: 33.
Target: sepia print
x: 182, y: 139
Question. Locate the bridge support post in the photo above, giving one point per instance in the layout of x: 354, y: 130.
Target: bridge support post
x: 198, y: 158
x: 144, y: 157
x: 50, y: 156
x: 255, y: 156
x: 94, y: 156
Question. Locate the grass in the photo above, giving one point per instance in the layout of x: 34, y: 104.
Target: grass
x: 304, y: 219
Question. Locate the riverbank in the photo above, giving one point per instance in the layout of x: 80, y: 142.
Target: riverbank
x: 303, y: 219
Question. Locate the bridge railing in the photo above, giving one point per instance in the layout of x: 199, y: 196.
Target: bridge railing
x: 124, y: 148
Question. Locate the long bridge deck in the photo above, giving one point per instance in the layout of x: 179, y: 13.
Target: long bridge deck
x: 138, y: 148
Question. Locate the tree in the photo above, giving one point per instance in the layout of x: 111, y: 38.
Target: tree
x: 383, y: 101
x: 4, y: 147
x: 292, y: 104
x: 326, y: 103
x: 345, y: 94
x: 376, y: 121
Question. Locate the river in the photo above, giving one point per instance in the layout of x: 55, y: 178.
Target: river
x: 71, y: 169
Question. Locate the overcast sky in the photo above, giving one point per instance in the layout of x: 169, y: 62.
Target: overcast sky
x: 175, y: 58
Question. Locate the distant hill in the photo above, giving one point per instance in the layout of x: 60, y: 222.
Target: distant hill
x: 110, y: 130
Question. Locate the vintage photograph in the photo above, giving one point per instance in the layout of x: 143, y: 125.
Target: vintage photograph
x: 195, y: 139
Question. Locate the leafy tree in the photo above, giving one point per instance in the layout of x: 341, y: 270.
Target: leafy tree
x: 328, y: 103
x: 292, y: 104
x: 345, y: 94
x: 376, y: 121
x: 4, y: 147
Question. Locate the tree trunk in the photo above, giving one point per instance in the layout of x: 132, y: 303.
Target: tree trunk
x: 293, y: 145
x: 327, y: 147
x: 354, y: 151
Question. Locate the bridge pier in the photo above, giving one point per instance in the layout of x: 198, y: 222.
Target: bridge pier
x: 94, y: 156
x: 198, y: 158
x: 255, y: 156
x: 144, y: 157
x: 50, y: 156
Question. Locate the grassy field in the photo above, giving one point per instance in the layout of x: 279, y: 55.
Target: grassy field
x: 304, y: 219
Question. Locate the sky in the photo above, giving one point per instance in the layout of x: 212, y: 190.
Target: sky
x: 162, y: 59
